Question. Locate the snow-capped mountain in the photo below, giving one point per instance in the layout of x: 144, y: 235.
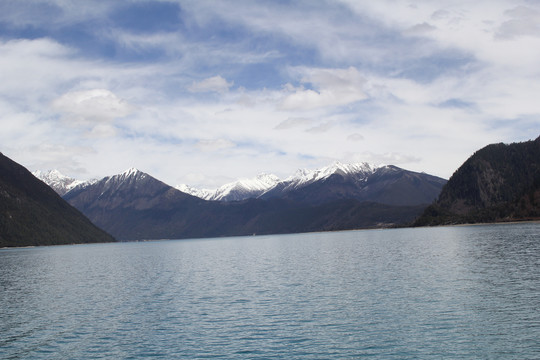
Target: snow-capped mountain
x: 245, y: 188
x: 132, y: 188
x: 385, y: 184
x: 304, y: 177
x: 200, y: 193
x: 129, y: 178
x: 268, y: 185
x: 58, y: 181
x: 63, y: 184
x: 235, y: 191
x: 135, y: 205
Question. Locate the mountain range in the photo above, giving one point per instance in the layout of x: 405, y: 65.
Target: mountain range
x: 384, y: 184
x: 32, y: 214
x: 134, y: 205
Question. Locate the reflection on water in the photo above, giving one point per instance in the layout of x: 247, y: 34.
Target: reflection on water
x: 452, y: 292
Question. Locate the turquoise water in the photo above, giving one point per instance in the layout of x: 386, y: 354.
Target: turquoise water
x: 469, y: 292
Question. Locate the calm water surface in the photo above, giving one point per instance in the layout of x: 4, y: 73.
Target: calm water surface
x: 468, y: 292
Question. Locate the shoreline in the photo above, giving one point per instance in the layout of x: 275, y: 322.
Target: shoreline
x: 501, y: 222
x: 509, y: 222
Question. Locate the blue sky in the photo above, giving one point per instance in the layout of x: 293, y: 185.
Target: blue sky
x: 204, y: 92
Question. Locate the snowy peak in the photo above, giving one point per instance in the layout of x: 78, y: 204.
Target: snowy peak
x: 130, y: 180
x: 258, y: 183
x: 336, y: 168
x: 305, y: 177
x: 57, y: 181
x: 241, y: 189
x: 245, y: 188
x: 50, y: 174
x: 63, y: 184
x: 130, y: 174
x: 345, y: 169
x: 200, y: 193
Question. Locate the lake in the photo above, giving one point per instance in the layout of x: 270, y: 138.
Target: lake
x: 464, y: 292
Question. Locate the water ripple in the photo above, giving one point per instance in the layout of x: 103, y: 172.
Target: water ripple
x: 457, y: 292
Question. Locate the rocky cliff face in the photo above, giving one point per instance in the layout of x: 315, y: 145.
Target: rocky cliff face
x: 498, y: 183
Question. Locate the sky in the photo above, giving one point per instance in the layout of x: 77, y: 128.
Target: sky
x: 204, y: 92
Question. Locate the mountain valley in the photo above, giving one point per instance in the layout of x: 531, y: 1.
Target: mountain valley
x: 498, y: 183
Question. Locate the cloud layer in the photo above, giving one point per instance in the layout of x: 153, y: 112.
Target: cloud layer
x: 203, y: 92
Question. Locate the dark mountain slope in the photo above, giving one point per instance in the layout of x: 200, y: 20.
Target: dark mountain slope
x: 134, y: 205
x: 498, y: 183
x: 348, y: 214
x: 388, y: 185
x: 32, y: 214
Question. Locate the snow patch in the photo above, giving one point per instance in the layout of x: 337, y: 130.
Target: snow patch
x: 59, y: 182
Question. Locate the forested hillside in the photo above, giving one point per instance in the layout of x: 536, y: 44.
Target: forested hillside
x: 497, y: 183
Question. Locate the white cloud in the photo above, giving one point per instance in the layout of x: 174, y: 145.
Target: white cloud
x: 213, y: 84
x: 102, y: 131
x: 92, y: 106
x: 292, y: 122
x: 360, y: 90
x: 32, y: 69
x: 523, y: 21
x: 355, y: 137
x: 332, y: 87
x: 321, y: 128
x: 419, y: 29
x: 47, y: 156
x: 94, y: 111
x: 211, y: 145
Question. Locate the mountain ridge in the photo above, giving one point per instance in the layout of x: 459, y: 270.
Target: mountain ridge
x: 386, y: 184
x: 238, y: 190
x: 267, y: 185
x: 133, y: 205
x: 358, y: 174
